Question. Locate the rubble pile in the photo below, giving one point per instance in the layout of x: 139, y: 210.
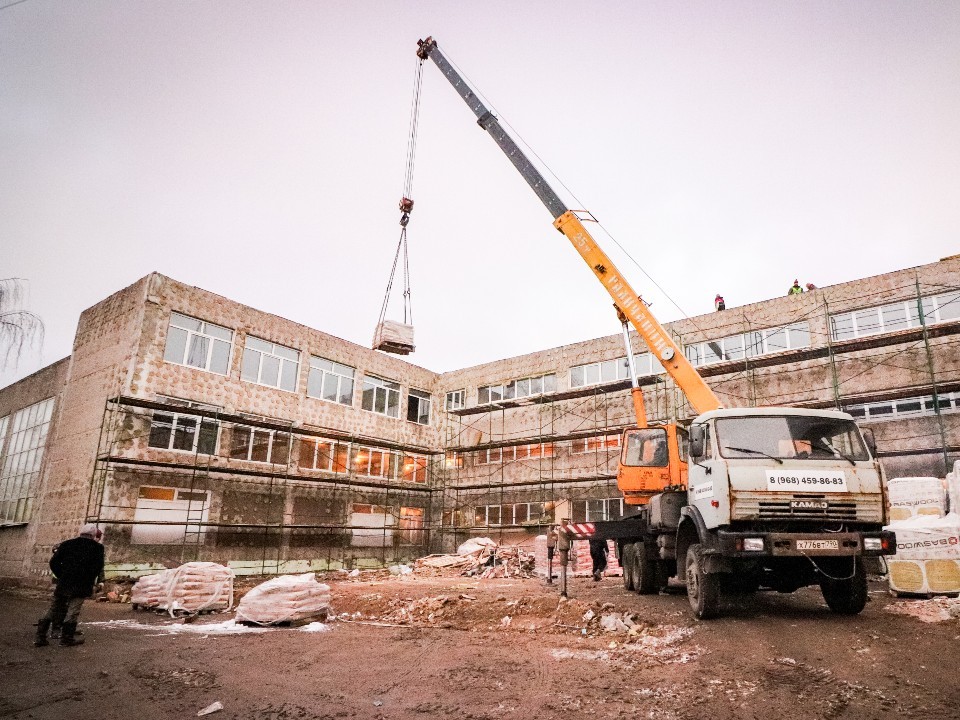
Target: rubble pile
x: 191, y: 588
x: 287, y: 598
x: 480, y: 557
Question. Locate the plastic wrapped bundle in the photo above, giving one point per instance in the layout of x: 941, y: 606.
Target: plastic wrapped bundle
x: 928, y: 556
x: 193, y: 587
x: 916, y: 497
x: 283, y: 599
x: 394, y: 337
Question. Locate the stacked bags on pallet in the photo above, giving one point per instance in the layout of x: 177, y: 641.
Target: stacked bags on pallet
x: 286, y: 598
x: 928, y: 539
x: 193, y: 587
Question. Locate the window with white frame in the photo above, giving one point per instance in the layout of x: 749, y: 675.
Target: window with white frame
x: 271, y: 364
x: 381, y: 396
x: 324, y: 455
x: 514, y: 452
x: 901, y: 315
x: 595, y: 444
x: 259, y: 445
x: 593, y: 510
x: 388, y: 464
x: 516, y: 389
x: 749, y: 344
x: 418, y: 406
x: 606, y: 371
x: 330, y: 380
x: 198, y: 344
x: 22, y: 456
x: 906, y: 407
x: 182, y: 430
x: 509, y: 514
x: 166, y: 515
x: 456, y: 400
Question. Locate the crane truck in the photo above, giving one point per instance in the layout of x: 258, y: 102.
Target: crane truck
x: 742, y: 499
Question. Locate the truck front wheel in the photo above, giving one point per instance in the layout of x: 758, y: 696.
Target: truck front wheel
x: 703, y: 590
x: 849, y: 595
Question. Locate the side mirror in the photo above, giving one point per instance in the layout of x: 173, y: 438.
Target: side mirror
x: 871, y: 441
x: 697, y: 436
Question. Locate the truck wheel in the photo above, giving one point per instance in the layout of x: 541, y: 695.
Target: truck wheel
x: 849, y: 596
x: 646, y: 575
x: 703, y: 590
x: 627, y: 565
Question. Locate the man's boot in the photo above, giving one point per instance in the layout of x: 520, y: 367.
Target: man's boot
x: 68, y: 634
x: 41, y: 639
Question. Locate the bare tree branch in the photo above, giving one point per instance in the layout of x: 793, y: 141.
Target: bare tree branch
x: 19, y: 328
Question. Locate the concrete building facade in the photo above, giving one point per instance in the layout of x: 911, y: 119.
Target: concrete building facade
x: 194, y: 428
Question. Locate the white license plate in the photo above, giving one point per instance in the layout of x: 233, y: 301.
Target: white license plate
x: 818, y: 544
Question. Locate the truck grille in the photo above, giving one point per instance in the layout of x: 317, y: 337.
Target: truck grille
x: 807, y: 506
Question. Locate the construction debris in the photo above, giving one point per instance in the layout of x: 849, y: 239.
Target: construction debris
x: 481, y: 557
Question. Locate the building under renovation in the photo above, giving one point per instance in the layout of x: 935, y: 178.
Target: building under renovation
x: 191, y: 427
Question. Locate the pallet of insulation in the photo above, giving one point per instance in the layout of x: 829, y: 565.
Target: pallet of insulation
x: 928, y: 556
x: 912, y: 497
x: 192, y: 588
x: 285, y: 599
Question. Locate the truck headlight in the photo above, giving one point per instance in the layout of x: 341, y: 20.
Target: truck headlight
x: 753, y: 544
x: 872, y: 543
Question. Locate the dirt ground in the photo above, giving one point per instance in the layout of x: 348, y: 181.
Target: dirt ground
x: 454, y: 647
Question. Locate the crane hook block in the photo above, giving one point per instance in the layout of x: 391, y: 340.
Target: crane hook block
x: 425, y: 47
x: 406, y: 207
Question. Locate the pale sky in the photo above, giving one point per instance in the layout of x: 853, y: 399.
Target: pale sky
x: 258, y: 150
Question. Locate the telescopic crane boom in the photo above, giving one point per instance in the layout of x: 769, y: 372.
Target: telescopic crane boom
x: 698, y: 393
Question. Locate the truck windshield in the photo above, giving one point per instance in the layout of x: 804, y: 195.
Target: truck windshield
x: 790, y: 437
x: 646, y: 448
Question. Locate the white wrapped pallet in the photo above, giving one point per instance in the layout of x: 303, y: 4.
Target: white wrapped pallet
x: 285, y: 598
x: 928, y: 555
x: 192, y: 587
x: 916, y: 496
x: 394, y: 337
x: 953, y: 488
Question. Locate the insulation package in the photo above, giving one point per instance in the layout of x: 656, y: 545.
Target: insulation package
x: 193, y: 587
x: 393, y: 336
x: 916, y: 497
x: 285, y: 598
x: 928, y: 555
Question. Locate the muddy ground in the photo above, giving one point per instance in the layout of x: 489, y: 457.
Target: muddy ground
x: 454, y: 647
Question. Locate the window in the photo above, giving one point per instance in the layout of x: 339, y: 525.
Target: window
x: 183, y: 431
x: 414, y: 468
x: 259, y: 445
x: 329, y: 380
x: 198, y: 344
x: 907, y: 407
x: 514, y: 452
x: 169, y: 516
x: 388, y: 464
x: 381, y: 396
x: 516, y: 389
x: 22, y: 457
x: 900, y: 315
x: 324, y: 455
x: 410, y: 528
x: 595, y: 444
x: 593, y: 510
x: 790, y: 436
x: 418, y: 407
x: 509, y: 514
x: 453, y: 459
x: 751, y: 344
x: 267, y: 363
x: 612, y: 370
x: 371, y: 526
x: 455, y: 400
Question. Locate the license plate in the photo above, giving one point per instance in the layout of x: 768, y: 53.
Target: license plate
x: 818, y: 544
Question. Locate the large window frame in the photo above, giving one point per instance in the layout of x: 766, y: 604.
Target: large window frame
x: 608, y: 371
x: 381, y: 396
x: 261, y: 445
x: 22, y: 457
x: 517, y: 389
x: 418, y: 406
x: 896, y: 316
x: 595, y: 444
x: 331, y: 381
x: 270, y: 364
x: 754, y: 343
x: 506, y: 514
x: 181, y: 431
x: 905, y: 408
x: 198, y: 344
x: 510, y: 453
x: 455, y: 400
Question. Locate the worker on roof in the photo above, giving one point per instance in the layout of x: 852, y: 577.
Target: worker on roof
x: 811, y: 286
x: 795, y: 289
x: 718, y: 302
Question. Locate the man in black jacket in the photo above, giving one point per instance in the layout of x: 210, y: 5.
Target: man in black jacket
x: 77, y: 564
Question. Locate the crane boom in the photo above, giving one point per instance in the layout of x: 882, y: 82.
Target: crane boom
x: 698, y: 393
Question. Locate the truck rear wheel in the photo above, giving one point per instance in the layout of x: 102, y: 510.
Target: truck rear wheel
x: 847, y: 596
x: 703, y: 590
x: 646, y: 580
x: 627, y: 564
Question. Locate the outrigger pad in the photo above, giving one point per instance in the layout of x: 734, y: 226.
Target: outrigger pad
x: 394, y: 337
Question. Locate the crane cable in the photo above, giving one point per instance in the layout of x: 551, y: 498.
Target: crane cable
x: 406, y: 207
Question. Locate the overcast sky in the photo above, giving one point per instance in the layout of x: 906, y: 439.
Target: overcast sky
x: 258, y: 150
